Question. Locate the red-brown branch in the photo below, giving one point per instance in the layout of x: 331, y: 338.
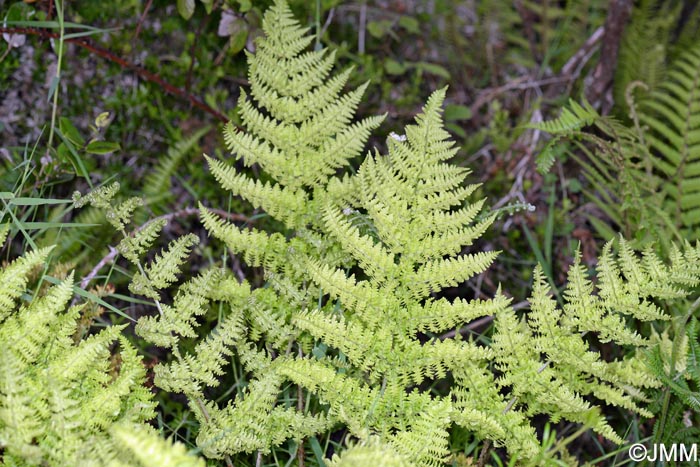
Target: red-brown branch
x: 143, y: 73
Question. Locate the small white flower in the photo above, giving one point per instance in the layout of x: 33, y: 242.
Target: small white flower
x: 397, y: 137
x: 686, y: 419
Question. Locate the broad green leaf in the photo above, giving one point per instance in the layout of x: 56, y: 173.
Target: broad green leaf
x: 185, y: 8
x: 238, y: 41
x: 433, y: 69
x: 410, y: 24
x: 457, y: 112
x: 378, y: 28
x: 393, y: 67
x: 245, y: 5
x: 102, y: 147
x: 71, y: 132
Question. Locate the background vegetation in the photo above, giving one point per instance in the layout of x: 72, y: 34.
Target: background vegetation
x: 136, y: 91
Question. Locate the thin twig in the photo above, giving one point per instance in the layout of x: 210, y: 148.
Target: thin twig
x: 329, y: 19
x: 484, y: 453
x: 569, y: 72
x: 582, y: 52
x: 300, y: 409
x: 142, y: 18
x: 601, y: 79
x: 518, y: 84
x: 113, y: 252
x: 361, y: 30
x: 143, y: 73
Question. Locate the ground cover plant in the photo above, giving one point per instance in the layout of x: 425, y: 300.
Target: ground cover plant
x: 308, y: 240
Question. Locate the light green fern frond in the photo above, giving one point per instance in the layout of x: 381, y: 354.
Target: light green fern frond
x: 372, y: 452
x: 14, y: 279
x: 627, y: 286
x: 147, y: 448
x: 134, y: 247
x: 58, y: 399
x: 298, y: 127
x: 4, y: 230
x: 163, y: 270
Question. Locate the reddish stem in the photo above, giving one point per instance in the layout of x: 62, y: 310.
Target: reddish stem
x: 143, y: 73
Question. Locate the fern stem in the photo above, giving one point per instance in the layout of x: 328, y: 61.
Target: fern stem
x: 205, y: 414
x: 113, y: 252
x: 300, y: 408
x: 484, y: 452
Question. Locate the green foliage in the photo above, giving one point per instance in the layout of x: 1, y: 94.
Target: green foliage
x: 371, y: 453
x: 644, y: 175
x: 572, y: 119
x: 672, y: 114
x: 355, y: 331
x: 144, y: 447
x: 59, y: 399
x: 66, y: 399
x: 157, y: 186
x: 350, y: 314
x: 660, y: 32
x: 624, y: 287
x: 305, y: 133
x: 649, y: 35
x: 540, y: 34
x: 675, y: 364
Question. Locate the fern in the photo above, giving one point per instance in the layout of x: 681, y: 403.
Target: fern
x: 618, y: 166
x: 63, y: 403
x: 625, y: 285
x: 648, y: 35
x: 350, y: 314
x: 156, y: 186
x: 646, y: 174
x: 673, y: 116
x: 676, y: 364
x: 304, y: 134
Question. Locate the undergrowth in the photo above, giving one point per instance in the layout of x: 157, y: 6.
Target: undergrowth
x: 504, y: 275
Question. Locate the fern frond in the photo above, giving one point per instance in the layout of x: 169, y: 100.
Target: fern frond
x: 4, y: 231
x: 157, y: 183
x: 163, y: 270
x: 258, y: 248
x: 627, y: 287
x: 573, y: 117
x: 673, y: 114
x: 147, y: 448
x: 282, y: 203
x: 134, y: 247
x: 373, y: 452
x: 14, y: 279
x: 59, y: 400
x: 298, y: 125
